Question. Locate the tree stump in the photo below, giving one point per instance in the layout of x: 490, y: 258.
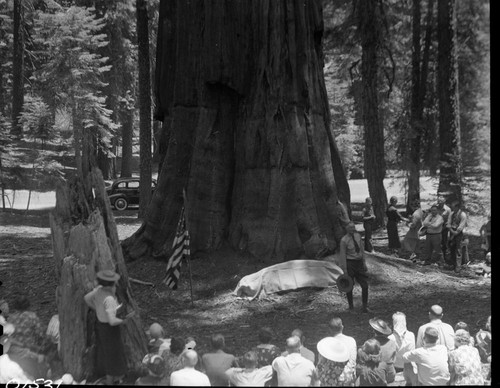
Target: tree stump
x: 85, y: 241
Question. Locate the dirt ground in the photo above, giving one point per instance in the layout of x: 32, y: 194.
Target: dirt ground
x: 26, y: 266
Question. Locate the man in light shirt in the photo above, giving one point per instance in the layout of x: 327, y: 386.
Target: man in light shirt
x: 434, y: 224
x: 352, y: 261
x: 405, y: 341
x: 250, y: 375
x: 295, y: 370
x: 188, y: 376
x: 431, y: 360
x: 336, y: 331
x: 445, y: 331
x: 304, y: 352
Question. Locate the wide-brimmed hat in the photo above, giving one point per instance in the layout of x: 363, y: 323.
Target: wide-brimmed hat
x: 108, y: 275
x: 333, y: 349
x: 345, y: 283
x: 380, y: 326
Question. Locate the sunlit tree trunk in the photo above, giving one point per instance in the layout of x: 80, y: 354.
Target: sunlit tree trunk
x: 245, y: 106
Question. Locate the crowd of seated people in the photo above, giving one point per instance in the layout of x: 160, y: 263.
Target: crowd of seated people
x: 438, y: 354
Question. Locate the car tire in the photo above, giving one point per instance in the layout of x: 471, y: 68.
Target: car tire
x: 121, y: 204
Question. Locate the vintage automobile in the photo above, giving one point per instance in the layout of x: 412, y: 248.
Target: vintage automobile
x: 124, y: 192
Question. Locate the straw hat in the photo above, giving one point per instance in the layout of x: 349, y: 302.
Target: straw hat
x: 333, y: 349
x: 380, y: 326
x: 108, y: 275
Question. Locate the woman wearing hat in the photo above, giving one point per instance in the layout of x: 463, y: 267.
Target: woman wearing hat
x: 110, y: 350
x: 333, y: 368
x: 393, y: 218
x: 388, y: 348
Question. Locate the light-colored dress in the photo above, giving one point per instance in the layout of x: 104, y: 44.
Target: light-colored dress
x: 465, y: 366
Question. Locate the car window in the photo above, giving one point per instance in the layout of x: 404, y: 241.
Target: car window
x: 121, y: 185
x: 133, y: 185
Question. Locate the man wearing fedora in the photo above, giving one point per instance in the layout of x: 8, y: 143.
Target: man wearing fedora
x: 388, y: 348
x: 352, y: 261
x: 431, y: 360
x: 445, y: 331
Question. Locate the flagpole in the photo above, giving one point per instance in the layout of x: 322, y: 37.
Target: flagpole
x: 189, y: 257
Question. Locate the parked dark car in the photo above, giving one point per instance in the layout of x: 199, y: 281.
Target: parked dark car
x: 124, y: 192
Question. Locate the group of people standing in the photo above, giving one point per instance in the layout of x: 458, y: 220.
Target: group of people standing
x: 442, y: 226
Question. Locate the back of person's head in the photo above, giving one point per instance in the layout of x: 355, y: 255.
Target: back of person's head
x: 399, y: 322
x: 190, y: 343
x: 293, y: 344
x: 265, y: 335
x: 156, y: 331
x: 369, y: 353
x: 462, y: 337
x: 217, y: 341
x: 250, y: 359
x: 22, y: 303
x: 190, y: 358
x: 336, y: 325
x: 300, y: 334
x: 431, y: 335
x: 462, y: 326
x: 176, y: 345
x: 436, y: 312
x: 393, y: 200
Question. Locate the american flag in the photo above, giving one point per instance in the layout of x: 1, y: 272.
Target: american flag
x: 181, y: 250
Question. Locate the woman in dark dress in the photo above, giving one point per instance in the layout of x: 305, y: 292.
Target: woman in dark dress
x: 109, y: 344
x: 393, y: 218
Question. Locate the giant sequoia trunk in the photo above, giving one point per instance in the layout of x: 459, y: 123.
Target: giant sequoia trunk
x: 420, y: 66
x: 85, y: 241
x: 240, y: 85
x: 369, y: 27
x: 450, y: 166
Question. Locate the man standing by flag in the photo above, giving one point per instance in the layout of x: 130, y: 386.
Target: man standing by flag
x: 181, y: 250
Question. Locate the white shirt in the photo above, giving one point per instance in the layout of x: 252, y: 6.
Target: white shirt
x: 189, y: 377
x: 240, y: 377
x: 11, y: 371
x: 350, y: 344
x: 446, y: 334
x: 404, y: 344
x: 432, y: 364
x: 294, y: 371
